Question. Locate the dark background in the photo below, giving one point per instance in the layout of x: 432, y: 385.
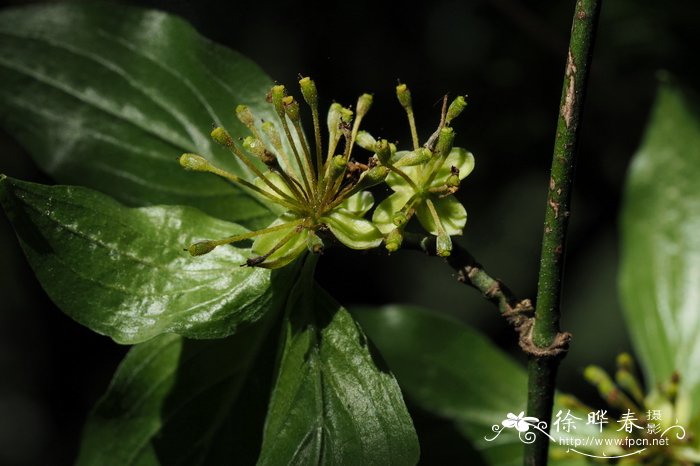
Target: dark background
x: 508, y: 56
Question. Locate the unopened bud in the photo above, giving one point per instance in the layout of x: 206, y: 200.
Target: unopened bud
x: 308, y: 90
x: 363, y: 105
x: 245, y: 116
x: 445, y: 141
x: 416, y: 157
x: 443, y: 245
x: 383, y: 151
x: 404, y: 96
x: 201, y: 248
x: 456, y: 107
x: 194, y: 162
x: 291, y: 108
x: 393, y: 240
x: 371, y: 177
x: 221, y: 136
x: 365, y: 140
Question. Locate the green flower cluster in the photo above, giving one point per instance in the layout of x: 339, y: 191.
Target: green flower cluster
x: 322, y: 191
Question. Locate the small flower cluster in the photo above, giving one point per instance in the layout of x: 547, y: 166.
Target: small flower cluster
x: 324, y: 189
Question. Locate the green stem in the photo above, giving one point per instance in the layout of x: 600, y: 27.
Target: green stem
x: 542, y: 368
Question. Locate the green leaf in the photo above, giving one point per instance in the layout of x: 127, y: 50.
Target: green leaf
x: 660, y: 271
x: 174, y: 401
x: 333, y: 402
x: 122, y: 271
x: 449, y: 369
x: 108, y: 96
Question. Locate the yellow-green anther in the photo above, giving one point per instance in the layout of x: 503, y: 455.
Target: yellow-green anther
x: 393, y: 240
x: 572, y: 403
x: 194, y: 162
x: 404, y: 96
x: 270, y: 131
x: 607, y: 388
x: 346, y: 115
x: 276, y: 95
x: 399, y: 219
x: 256, y: 147
x: 416, y: 157
x: 314, y: 243
x: 629, y: 383
x: 221, y: 136
x: 443, y: 245
x: 291, y: 108
x: 445, y: 140
x: 364, y: 102
x: 245, y: 116
x: 383, y: 151
x: 337, y: 166
x: 456, y: 107
x: 308, y: 91
x: 365, y: 140
x: 453, y: 181
x: 625, y: 362
x: 201, y: 248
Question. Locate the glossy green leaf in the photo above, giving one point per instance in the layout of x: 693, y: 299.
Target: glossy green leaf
x: 123, y: 272
x: 449, y: 369
x: 175, y: 401
x: 107, y: 96
x: 333, y: 403
x: 660, y: 272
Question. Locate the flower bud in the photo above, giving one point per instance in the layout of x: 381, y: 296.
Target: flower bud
x: 363, y: 105
x: 383, y: 151
x: 445, y: 140
x: 194, y: 162
x: 221, y: 136
x: 443, y: 245
x: 416, y: 157
x: 404, y: 96
x: 393, y: 240
x: 453, y: 181
x: 456, y: 107
x: 308, y: 90
x: 291, y: 108
x: 365, y: 140
x: 201, y: 248
x: 245, y: 116
x: 371, y: 177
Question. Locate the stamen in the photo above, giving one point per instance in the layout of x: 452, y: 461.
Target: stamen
x: 444, y: 242
x: 255, y: 261
x: 273, y: 136
x: 203, y: 247
x: 291, y: 107
x: 456, y: 107
x: 308, y: 90
x: 221, y: 136
x: 278, y: 93
x: 200, y: 164
x: 404, y: 96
